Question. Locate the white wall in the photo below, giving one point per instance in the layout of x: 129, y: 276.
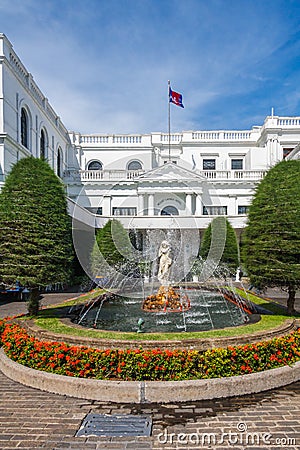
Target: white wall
x: 19, y: 90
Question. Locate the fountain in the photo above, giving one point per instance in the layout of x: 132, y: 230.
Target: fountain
x: 166, y: 298
x: 175, y: 306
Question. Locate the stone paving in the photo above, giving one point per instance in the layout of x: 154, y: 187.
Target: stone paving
x: 31, y: 419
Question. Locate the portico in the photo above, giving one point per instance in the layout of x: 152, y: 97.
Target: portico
x: 170, y: 190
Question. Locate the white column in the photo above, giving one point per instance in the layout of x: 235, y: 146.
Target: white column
x: 198, y: 210
x: 150, y: 205
x: 188, y: 204
x: 107, y: 206
x: 140, y: 211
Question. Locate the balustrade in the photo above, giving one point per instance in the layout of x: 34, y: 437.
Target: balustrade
x: 237, y: 135
x: 288, y: 121
x: 99, y: 175
x: 94, y: 139
x: 221, y: 135
x: 111, y: 139
x: 173, y: 137
x: 206, y: 135
x: 127, y: 139
x: 233, y: 174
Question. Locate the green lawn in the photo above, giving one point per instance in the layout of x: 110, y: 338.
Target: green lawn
x: 49, y: 319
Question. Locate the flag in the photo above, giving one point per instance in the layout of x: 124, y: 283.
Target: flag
x: 175, y: 97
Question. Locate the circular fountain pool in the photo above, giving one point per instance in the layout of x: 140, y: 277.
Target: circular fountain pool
x: 208, y: 310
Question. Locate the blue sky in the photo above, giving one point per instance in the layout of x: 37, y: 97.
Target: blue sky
x: 104, y: 64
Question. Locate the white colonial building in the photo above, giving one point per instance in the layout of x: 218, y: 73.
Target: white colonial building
x: 146, y: 181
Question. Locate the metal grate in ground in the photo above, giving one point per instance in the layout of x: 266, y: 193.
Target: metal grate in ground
x: 115, y: 425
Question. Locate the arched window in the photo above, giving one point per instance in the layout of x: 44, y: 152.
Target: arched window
x: 94, y: 165
x: 59, y: 162
x: 43, y: 145
x: 24, y: 128
x: 134, y: 165
x: 169, y: 211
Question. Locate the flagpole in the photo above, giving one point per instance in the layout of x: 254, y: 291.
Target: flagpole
x: 169, y: 120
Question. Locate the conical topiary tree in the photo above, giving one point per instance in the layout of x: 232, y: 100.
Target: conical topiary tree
x: 114, y: 245
x: 35, y: 229
x: 225, y: 238
x: 271, y: 241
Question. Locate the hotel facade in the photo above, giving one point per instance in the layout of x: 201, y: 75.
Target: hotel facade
x: 147, y: 181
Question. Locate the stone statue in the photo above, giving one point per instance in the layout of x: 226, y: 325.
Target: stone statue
x: 165, y: 262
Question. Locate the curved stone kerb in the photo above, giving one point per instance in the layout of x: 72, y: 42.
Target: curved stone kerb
x: 201, y: 344
x: 149, y: 391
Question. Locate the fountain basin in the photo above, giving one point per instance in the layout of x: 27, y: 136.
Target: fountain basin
x: 207, y: 310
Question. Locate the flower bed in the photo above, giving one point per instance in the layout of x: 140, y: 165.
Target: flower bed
x: 142, y: 364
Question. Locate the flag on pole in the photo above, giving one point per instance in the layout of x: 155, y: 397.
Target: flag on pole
x: 175, y: 97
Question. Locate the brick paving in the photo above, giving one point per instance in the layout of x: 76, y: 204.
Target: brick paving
x: 32, y: 419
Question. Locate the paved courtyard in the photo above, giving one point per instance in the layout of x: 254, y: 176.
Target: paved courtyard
x: 30, y: 418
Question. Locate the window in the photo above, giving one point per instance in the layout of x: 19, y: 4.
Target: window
x: 124, y: 211
x: 243, y: 209
x: 236, y: 164
x: 59, y: 162
x: 43, y: 145
x: 209, y: 164
x: 286, y: 151
x: 94, y: 165
x: 97, y: 210
x: 134, y: 165
x: 215, y: 210
x: 24, y: 128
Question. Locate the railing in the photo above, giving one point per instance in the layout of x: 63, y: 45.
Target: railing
x: 206, y: 135
x: 233, y: 174
x: 288, y: 121
x: 237, y: 135
x: 174, y: 137
x: 221, y: 135
x: 111, y: 139
x: 188, y: 136
x: 94, y: 139
x: 126, y: 139
x: 99, y: 175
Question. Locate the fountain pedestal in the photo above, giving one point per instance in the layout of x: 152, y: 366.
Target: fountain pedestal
x: 167, y: 299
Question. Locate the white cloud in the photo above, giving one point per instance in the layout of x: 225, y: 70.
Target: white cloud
x: 104, y: 65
